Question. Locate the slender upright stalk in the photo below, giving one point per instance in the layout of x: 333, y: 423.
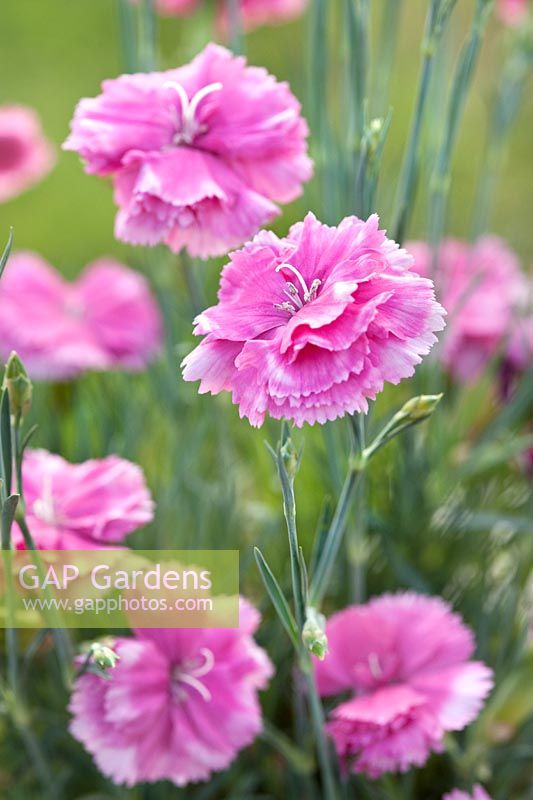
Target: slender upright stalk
x: 504, y: 111
x: 127, y: 34
x: 357, y: 542
x: 194, y: 286
x: 324, y: 569
x: 438, y: 13
x: 289, y: 510
x: 324, y: 143
x: 12, y: 695
x: 236, y: 39
x: 318, y: 721
x: 462, y: 82
x: 62, y: 640
x: 146, y: 50
x: 287, y: 463
x: 388, y: 37
x: 11, y: 631
x: 356, y: 90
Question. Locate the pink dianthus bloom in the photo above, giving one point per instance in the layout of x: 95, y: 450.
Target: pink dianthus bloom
x: 481, y: 286
x: 25, y: 155
x: 106, y: 319
x: 478, y: 793
x: 264, y: 12
x: 81, y: 506
x: 253, y: 12
x: 405, y: 658
x: 310, y: 327
x: 199, y: 155
x: 513, y: 12
x: 519, y: 351
x: 179, y: 705
x: 176, y: 7
x: 518, y: 360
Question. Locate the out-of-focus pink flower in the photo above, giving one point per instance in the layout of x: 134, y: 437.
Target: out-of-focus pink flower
x: 478, y: 793
x: 106, y: 319
x: 253, y: 12
x: 481, y: 287
x: 264, y: 12
x: 82, y: 506
x: 405, y: 658
x: 25, y: 155
x: 520, y: 346
x: 181, y: 703
x: 176, y: 7
x: 518, y: 359
x: 199, y: 155
x: 513, y: 12
x: 311, y: 326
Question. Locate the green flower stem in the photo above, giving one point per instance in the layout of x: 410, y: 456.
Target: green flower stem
x: 358, y: 155
x: 356, y: 20
x: 193, y: 284
x: 146, y: 50
x: 128, y: 41
x: 357, y: 542
x: 329, y: 787
x: 63, y: 644
x: 388, y: 36
x: 287, y: 463
x: 440, y: 180
x: 325, y: 148
x: 62, y: 641
x: 505, y: 107
x: 236, y: 38
x: 11, y: 631
x: 439, y: 11
x: 289, y: 510
x: 12, y: 692
x: 321, y: 578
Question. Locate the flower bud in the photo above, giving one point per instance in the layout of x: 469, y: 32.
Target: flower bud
x: 419, y: 408
x: 103, y: 656
x: 18, y: 386
x: 314, y: 633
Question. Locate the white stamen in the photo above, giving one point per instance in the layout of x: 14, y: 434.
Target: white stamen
x: 296, y: 272
x: 190, y: 675
x: 293, y: 293
x: 189, y: 127
x: 375, y: 666
x: 311, y: 294
x: 285, y: 307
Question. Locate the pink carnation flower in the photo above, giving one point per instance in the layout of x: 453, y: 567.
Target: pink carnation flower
x: 405, y: 658
x: 199, y: 155
x: 311, y: 326
x: 82, y: 506
x: 175, y: 7
x: 520, y: 346
x: 264, y: 12
x: 478, y: 793
x: 179, y: 706
x: 25, y: 155
x: 481, y: 287
x: 513, y: 12
x: 106, y: 319
x: 253, y: 12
